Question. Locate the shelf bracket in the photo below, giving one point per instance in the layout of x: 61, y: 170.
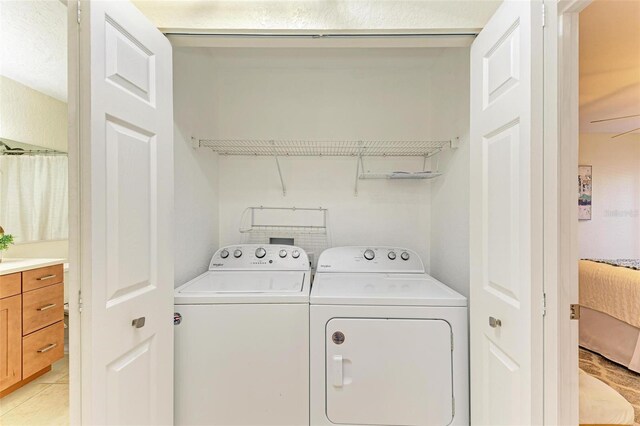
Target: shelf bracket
x: 195, y: 142
x: 284, y: 188
x: 357, y: 175
x: 454, y: 143
x: 359, y: 164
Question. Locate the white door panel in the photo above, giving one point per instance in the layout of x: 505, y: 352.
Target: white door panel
x: 242, y: 364
x: 126, y: 171
x: 400, y: 369
x: 506, y: 217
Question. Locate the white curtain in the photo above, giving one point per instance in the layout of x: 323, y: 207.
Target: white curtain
x: 34, y: 203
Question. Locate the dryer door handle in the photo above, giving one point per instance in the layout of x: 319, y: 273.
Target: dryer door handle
x: 337, y: 371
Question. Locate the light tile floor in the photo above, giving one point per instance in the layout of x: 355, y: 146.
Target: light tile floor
x: 45, y: 401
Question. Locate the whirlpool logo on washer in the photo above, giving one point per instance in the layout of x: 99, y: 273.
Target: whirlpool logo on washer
x: 217, y: 264
x: 325, y: 266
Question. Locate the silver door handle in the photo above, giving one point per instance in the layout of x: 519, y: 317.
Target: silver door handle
x: 47, y: 277
x: 47, y: 348
x: 494, y: 322
x: 45, y: 307
x: 138, y: 322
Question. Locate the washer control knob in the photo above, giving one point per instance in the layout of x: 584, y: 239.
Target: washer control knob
x: 224, y: 253
x: 404, y: 255
x: 392, y: 255
x: 283, y: 253
x: 237, y: 253
x: 295, y: 254
x: 369, y: 254
x: 260, y: 253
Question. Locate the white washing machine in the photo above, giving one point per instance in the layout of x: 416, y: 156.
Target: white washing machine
x: 389, y: 343
x: 242, y: 339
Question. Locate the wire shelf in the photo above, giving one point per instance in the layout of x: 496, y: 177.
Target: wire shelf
x: 400, y: 175
x: 300, y: 220
x: 285, y: 148
x: 285, y: 229
x: 308, y: 227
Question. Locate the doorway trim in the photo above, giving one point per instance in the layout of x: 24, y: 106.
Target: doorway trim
x: 561, y: 92
x: 74, y: 150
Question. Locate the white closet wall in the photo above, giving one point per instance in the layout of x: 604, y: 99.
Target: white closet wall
x: 196, y: 171
x: 450, y: 192
x: 326, y: 94
x: 384, y: 212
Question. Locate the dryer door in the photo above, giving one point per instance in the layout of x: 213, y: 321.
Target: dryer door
x: 389, y: 371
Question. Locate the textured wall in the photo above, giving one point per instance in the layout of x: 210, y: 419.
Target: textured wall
x: 32, y: 117
x: 43, y: 249
x: 28, y: 116
x: 320, y: 14
x: 614, y: 230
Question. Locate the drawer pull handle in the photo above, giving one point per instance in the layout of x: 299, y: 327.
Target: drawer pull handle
x: 138, y: 322
x: 47, y: 348
x: 494, y: 322
x: 45, y: 307
x: 47, y: 277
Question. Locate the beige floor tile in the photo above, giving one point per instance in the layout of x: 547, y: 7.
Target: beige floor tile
x: 59, y: 369
x: 49, y: 407
x: 21, y: 395
x: 63, y: 379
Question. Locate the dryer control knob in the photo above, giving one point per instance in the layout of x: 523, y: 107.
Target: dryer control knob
x: 404, y: 255
x: 392, y: 255
x: 295, y: 254
x: 283, y: 253
x: 237, y: 253
x: 260, y: 253
x: 369, y: 254
x: 224, y: 254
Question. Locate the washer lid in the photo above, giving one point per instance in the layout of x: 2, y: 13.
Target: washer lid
x: 383, y: 289
x: 246, y: 282
x: 243, y: 287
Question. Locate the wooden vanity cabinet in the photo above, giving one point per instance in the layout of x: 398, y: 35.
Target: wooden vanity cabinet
x: 10, y: 341
x: 31, y: 325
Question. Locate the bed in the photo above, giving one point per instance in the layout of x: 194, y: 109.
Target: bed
x: 610, y: 309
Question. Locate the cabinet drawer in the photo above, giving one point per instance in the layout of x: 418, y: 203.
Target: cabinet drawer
x: 10, y: 285
x: 42, y: 307
x: 42, y: 348
x: 42, y: 277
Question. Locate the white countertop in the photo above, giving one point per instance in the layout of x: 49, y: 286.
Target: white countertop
x: 9, y: 266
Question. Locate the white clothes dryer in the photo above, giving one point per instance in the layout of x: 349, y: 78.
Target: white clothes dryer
x: 242, y: 339
x: 389, y: 343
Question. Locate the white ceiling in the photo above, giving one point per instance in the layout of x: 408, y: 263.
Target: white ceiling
x: 610, y: 65
x: 33, y: 45
x: 302, y: 15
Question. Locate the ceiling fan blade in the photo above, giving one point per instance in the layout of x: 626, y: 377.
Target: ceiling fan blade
x: 615, y: 118
x: 625, y: 133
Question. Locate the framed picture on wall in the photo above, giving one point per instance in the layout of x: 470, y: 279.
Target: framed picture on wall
x: 584, y: 192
